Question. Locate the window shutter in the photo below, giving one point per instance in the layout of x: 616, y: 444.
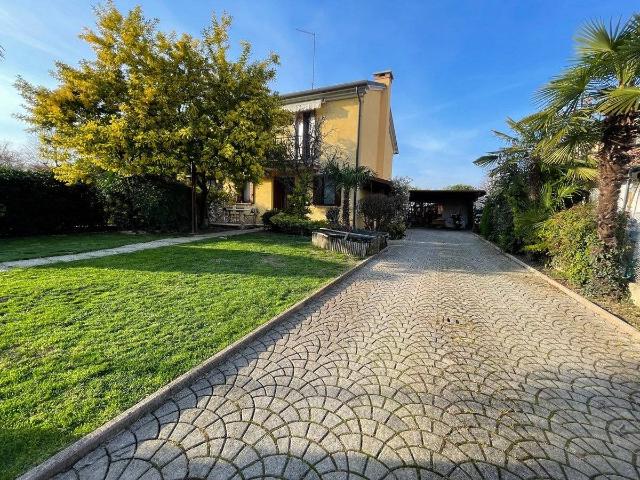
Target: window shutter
x: 317, y: 189
x: 338, y: 200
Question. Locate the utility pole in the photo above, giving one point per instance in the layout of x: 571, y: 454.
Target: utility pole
x: 313, y: 65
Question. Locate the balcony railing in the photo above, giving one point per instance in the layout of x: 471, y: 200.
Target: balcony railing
x: 242, y: 215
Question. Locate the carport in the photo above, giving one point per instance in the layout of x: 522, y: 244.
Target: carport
x: 441, y: 208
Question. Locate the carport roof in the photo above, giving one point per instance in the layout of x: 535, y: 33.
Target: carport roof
x: 444, y: 195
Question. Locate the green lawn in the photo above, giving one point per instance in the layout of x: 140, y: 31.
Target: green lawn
x: 81, y: 342
x: 22, y: 248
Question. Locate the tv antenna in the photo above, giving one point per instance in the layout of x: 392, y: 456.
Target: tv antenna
x: 313, y: 65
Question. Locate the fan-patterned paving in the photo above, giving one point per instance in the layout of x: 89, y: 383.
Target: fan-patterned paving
x: 440, y: 359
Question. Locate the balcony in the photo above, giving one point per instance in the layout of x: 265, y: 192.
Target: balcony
x: 243, y: 215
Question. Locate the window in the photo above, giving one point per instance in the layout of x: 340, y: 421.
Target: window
x: 304, y: 126
x: 245, y: 193
x: 325, y: 191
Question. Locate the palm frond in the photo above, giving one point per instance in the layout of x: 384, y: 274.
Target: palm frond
x: 504, y: 136
x: 621, y: 100
x: 584, y: 174
x: 566, y: 93
x: 596, y: 38
x: 487, y: 160
x: 630, y: 50
x: 568, y: 139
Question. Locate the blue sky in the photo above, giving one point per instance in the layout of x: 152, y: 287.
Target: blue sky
x: 461, y: 67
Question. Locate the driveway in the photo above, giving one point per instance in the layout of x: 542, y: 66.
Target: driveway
x: 440, y: 359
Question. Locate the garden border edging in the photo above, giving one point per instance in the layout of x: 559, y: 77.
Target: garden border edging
x: 610, y: 317
x: 71, y: 454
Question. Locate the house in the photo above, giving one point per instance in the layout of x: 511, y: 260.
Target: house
x: 357, y: 119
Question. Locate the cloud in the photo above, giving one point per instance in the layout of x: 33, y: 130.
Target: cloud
x: 28, y: 27
x: 436, y: 158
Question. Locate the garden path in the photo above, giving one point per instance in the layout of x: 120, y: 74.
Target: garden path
x: 106, y: 252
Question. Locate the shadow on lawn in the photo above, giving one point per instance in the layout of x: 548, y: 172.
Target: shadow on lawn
x: 18, y: 445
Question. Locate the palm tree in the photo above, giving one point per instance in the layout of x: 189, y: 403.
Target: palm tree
x: 538, y: 181
x: 348, y: 178
x: 519, y: 150
x: 560, y: 169
x: 597, y: 102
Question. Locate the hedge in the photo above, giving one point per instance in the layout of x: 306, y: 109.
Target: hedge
x: 34, y: 202
x: 283, y: 222
x: 145, y: 202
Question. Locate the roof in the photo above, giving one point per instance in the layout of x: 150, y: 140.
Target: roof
x: 440, y: 195
x: 392, y: 132
x: 384, y: 72
x: 341, y: 89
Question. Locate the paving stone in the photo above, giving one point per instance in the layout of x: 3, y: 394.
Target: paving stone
x: 439, y: 359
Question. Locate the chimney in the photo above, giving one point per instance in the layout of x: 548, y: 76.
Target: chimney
x: 385, y: 76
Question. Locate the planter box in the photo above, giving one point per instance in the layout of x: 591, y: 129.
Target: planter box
x: 357, y: 244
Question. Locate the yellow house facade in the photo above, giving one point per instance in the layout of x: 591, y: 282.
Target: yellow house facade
x: 357, y: 119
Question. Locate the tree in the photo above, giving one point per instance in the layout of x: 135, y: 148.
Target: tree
x: 349, y: 178
x: 10, y: 157
x: 600, y: 93
x: 460, y: 186
x: 156, y: 103
x: 529, y: 184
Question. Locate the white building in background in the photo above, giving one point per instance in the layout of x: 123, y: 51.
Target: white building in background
x: 629, y: 202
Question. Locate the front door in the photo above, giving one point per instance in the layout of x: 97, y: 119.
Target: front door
x: 282, y: 187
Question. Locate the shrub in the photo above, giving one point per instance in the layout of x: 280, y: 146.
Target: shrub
x: 378, y: 210
x: 145, y: 202
x: 570, y: 240
x: 333, y: 217
x: 396, y: 229
x: 299, y: 200
x: 34, y: 202
x: 267, y: 216
x: 283, y: 222
x: 497, y: 224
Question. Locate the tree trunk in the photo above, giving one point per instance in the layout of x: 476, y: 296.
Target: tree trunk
x: 203, y: 204
x: 345, y: 207
x: 535, y: 180
x: 613, y: 163
x: 194, y: 221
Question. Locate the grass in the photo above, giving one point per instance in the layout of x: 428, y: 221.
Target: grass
x: 80, y: 342
x: 22, y: 248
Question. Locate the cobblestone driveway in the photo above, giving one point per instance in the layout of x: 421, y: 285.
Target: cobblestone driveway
x: 442, y: 359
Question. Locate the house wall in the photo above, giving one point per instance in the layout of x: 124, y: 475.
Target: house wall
x: 341, y: 129
x: 376, y: 150
x: 340, y: 126
x: 263, y: 196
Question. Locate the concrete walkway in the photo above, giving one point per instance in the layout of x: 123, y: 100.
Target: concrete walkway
x: 441, y: 359
x: 134, y: 247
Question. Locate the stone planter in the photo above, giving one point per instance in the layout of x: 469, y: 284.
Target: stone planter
x: 357, y: 244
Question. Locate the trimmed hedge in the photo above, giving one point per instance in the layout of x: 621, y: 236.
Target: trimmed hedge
x: 283, y: 222
x: 267, y: 216
x: 145, y: 202
x: 34, y: 202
